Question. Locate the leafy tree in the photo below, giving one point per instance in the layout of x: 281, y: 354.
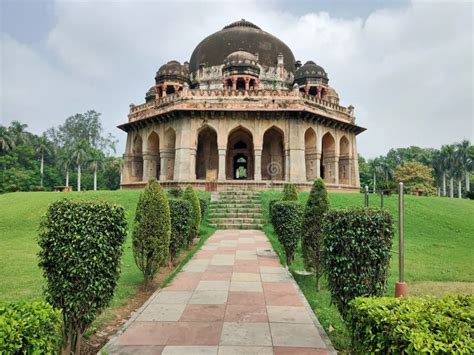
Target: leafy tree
x: 151, y: 234
x: 466, y: 159
x: 312, y: 243
x: 96, y: 159
x: 79, y: 155
x: 190, y: 195
x: 416, y: 177
x: 7, y: 142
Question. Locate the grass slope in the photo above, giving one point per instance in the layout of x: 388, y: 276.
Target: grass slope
x: 20, y: 214
x: 439, y: 239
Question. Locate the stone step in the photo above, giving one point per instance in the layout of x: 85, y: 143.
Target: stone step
x: 219, y: 214
x: 243, y: 206
x: 236, y: 226
x: 236, y: 220
x: 238, y: 200
x: 220, y: 209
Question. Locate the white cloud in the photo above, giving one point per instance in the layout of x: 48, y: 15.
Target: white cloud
x: 408, y: 71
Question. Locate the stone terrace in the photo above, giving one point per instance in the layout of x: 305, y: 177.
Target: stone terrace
x: 233, y: 297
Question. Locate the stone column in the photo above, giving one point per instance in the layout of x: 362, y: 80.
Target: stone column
x: 349, y: 170
x: 221, y: 174
x: 336, y: 170
x: 192, y: 164
x: 127, y: 168
x: 234, y: 83
x: 287, y: 165
x: 318, y: 164
x: 165, y: 156
x: 297, y: 168
x: 258, y: 165
x: 247, y: 84
x: 149, y: 166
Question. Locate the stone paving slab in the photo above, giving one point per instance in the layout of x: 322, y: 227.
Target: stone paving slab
x: 232, y: 298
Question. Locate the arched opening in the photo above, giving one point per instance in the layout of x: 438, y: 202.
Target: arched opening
x: 273, y: 155
x: 252, y: 84
x: 240, y: 155
x: 240, y: 84
x: 207, y: 157
x: 310, y: 154
x: 137, y: 159
x: 313, y: 91
x: 228, y: 84
x: 152, y: 157
x: 168, y: 155
x: 323, y: 94
x: 328, y: 156
x: 170, y: 89
x: 344, y: 161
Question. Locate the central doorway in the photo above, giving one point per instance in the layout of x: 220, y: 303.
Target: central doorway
x: 240, y: 167
x: 239, y: 159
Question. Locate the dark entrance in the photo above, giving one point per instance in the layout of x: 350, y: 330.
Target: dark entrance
x: 240, y: 167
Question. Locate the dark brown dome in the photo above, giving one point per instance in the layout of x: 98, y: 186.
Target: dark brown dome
x: 310, y: 70
x: 241, y: 36
x: 173, y: 70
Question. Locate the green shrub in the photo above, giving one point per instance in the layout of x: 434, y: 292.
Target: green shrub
x: 12, y: 188
x: 470, y: 195
x: 180, y: 213
x: 203, y: 204
x: 412, y: 325
x: 190, y: 195
x: 175, y: 192
x: 37, y: 188
x: 81, y: 245
x: 151, y: 234
x: 356, y: 253
x: 29, y: 328
x: 290, y: 193
x: 312, y: 243
x: 270, y: 209
x: 287, y: 216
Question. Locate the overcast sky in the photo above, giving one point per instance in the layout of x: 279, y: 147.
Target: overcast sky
x: 406, y: 66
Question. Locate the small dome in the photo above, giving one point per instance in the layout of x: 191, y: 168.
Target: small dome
x: 240, y: 58
x: 173, y: 70
x: 151, y: 94
x: 310, y: 70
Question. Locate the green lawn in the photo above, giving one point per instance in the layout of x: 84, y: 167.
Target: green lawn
x: 439, y: 240
x: 20, y: 214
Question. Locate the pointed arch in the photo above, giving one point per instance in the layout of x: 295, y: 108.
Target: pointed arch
x: 151, y: 162
x: 345, y: 161
x: 328, y: 156
x: 273, y: 154
x: 207, y: 157
x: 240, y: 154
x: 310, y: 154
x: 167, y: 154
x: 137, y: 159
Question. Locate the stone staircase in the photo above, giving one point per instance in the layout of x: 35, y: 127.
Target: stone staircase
x: 236, y: 210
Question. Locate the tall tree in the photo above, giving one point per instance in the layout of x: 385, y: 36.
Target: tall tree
x: 465, y: 157
x: 450, y: 161
x: 96, y: 158
x: 64, y: 163
x: 79, y: 155
x: 17, y: 131
x: 7, y: 142
x: 42, y: 148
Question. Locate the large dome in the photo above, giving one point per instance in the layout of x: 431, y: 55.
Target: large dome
x: 244, y: 36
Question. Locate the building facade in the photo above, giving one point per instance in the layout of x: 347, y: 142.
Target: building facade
x: 242, y: 112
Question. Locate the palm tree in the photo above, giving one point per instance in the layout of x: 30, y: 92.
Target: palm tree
x: 18, y: 133
x: 374, y: 165
x: 64, y: 162
x: 465, y: 159
x: 96, y: 161
x: 79, y: 155
x: 450, y: 165
x: 42, y: 148
x: 7, y: 142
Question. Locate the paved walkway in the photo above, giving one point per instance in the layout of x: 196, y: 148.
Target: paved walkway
x: 233, y: 297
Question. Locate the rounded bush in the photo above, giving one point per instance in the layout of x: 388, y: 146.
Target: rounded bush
x: 81, y: 243
x: 152, y: 231
x: 203, y: 204
x: 287, y: 216
x: 312, y: 235
x: 29, y: 328
x: 356, y: 253
x: 290, y: 193
x: 180, y: 212
x: 190, y: 195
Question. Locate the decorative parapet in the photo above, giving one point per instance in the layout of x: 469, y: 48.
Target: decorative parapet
x: 239, y: 100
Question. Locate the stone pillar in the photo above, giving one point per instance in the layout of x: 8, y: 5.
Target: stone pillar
x: 247, y: 84
x: 349, y: 171
x: 221, y: 174
x: 336, y: 170
x: 258, y: 165
x: 287, y: 165
x: 234, y: 83
x: 297, y: 168
x: 192, y: 164
x: 318, y: 164
x: 164, y: 159
x: 149, y: 166
x: 127, y: 168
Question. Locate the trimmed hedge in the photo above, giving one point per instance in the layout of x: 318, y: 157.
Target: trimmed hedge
x: 152, y: 231
x: 81, y: 246
x: 176, y: 192
x: 412, y: 325
x: 290, y: 193
x: 270, y: 209
x: 180, y: 213
x: 356, y: 253
x: 312, y: 236
x: 191, y: 196
x: 203, y: 204
x: 29, y: 328
x: 287, y: 216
